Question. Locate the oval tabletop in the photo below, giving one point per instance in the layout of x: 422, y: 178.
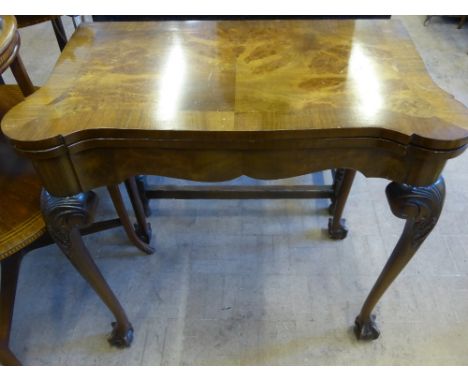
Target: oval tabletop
x: 327, y: 77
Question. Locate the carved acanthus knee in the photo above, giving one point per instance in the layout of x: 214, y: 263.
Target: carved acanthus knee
x: 63, y: 214
x: 421, y: 206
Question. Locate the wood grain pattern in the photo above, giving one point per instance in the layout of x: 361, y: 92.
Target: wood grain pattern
x: 207, y: 100
x: 242, y: 76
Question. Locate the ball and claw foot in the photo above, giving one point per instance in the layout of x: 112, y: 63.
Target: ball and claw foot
x: 144, y: 236
x: 119, y: 339
x: 366, y: 331
x: 338, y: 233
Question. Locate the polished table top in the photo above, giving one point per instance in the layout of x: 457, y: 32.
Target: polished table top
x: 214, y: 100
x: 207, y: 76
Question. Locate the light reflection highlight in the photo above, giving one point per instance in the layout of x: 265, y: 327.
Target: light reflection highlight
x: 171, y: 83
x: 366, y: 81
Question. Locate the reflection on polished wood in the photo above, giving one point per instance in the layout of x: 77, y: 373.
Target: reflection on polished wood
x: 241, y: 75
x: 236, y: 85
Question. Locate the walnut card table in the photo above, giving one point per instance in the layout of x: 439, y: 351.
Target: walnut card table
x: 214, y: 100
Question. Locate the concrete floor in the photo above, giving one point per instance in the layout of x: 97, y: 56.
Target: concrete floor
x: 259, y: 282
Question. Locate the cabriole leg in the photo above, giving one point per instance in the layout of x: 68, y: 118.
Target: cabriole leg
x: 114, y: 192
x: 64, y: 216
x: 421, y: 207
x: 337, y: 175
x: 141, y: 183
x: 343, y: 180
x: 142, y: 228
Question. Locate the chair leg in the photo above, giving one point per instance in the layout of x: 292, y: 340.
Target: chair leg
x: 10, y: 271
x: 21, y: 76
x: 114, y: 192
x: 342, y: 184
x: 59, y: 31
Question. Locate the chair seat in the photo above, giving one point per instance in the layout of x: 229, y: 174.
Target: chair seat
x: 20, y: 217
